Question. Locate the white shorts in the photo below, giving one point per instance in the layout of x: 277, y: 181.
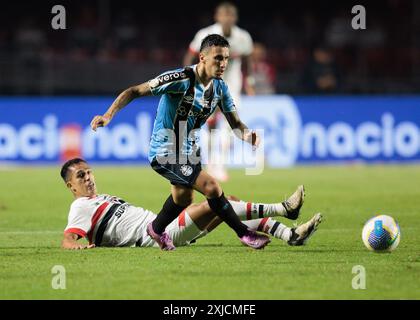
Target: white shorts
x: 182, y: 231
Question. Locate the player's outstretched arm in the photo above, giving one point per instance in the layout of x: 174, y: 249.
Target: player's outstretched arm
x: 70, y: 242
x: 241, y: 130
x: 122, y: 100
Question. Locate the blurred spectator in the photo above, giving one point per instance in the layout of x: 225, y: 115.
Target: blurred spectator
x: 278, y: 33
x: 126, y: 31
x: 4, y: 43
x: 382, y: 57
x: 310, y: 33
x: 338, y: 32
x: 321, y: 74
x: 262, y: 73
x: 108, y: 51
x: 29, y: 39
x: 85, y: 34
x: 29, y: 45
x: 373, y: 36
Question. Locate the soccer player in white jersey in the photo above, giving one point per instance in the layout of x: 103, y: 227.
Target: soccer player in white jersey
x: 241, y: 47
x: 109, y: 221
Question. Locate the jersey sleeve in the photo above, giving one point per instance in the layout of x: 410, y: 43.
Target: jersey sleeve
x: 169, y: 82
x: 226, y: 103
x: 78, y: 221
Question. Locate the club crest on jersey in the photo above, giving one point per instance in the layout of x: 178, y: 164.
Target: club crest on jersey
x: 189, y: 99
x: 215, y: 102
x: 186, y: 170
x: 205, y: 104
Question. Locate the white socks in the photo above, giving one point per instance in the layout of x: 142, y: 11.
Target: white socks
x: 249, y: 211
x: 270, y: 226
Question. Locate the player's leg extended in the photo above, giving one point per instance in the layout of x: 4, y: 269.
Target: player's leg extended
x: 211, y: 189
x: 254, y: 213
x: 296, y: 236
x: 177, y: 201
x: 266, y: 225
x: 190, y: 225
x: 208, y: 186
x: 202, y: 215
x: 289, y: 208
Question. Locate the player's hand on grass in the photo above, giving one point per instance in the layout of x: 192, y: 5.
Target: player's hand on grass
x: 99, y: 121
x: 79, y: 246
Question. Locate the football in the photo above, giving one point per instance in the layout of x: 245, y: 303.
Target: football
x: 381, y: 234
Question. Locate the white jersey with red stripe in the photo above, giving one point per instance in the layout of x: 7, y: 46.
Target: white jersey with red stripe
x: 109, y: 221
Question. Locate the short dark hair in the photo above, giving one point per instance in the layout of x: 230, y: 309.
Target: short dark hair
x: 214, y: 40
x: 66, y: 166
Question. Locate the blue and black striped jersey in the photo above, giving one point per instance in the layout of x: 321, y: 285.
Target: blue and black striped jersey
x: 184, y: 107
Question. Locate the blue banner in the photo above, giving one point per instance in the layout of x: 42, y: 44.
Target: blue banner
x: 336, y: 129
x: 296, y: 130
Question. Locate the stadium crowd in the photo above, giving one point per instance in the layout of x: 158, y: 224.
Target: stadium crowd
x: 300, y: 47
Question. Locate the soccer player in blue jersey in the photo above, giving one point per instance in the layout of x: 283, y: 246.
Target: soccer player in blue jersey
x: 188, y: 97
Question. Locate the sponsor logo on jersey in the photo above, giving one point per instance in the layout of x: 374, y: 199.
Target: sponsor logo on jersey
x: 153, y: 83
x: 198, y: 114
x: 167, y: 78
x: 181, y: 110
x: 186, y: 170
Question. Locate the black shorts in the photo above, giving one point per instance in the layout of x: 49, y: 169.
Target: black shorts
x: 178, y: 174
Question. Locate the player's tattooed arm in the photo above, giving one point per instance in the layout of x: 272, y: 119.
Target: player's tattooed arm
x: 70, y: 242
x: 122, y: 100
x: 241, y: 130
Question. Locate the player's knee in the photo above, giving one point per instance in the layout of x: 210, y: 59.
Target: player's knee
x: 205, y: 207
x: 212, y: 189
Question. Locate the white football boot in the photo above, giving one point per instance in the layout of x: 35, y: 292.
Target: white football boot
x: 302, y: 233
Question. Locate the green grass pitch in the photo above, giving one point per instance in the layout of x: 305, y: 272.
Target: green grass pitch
x: 33, y: 212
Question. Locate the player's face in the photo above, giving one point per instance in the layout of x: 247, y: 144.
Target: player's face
x: 215, y: 61
x: 227, y: 17
x: 81, y: 180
